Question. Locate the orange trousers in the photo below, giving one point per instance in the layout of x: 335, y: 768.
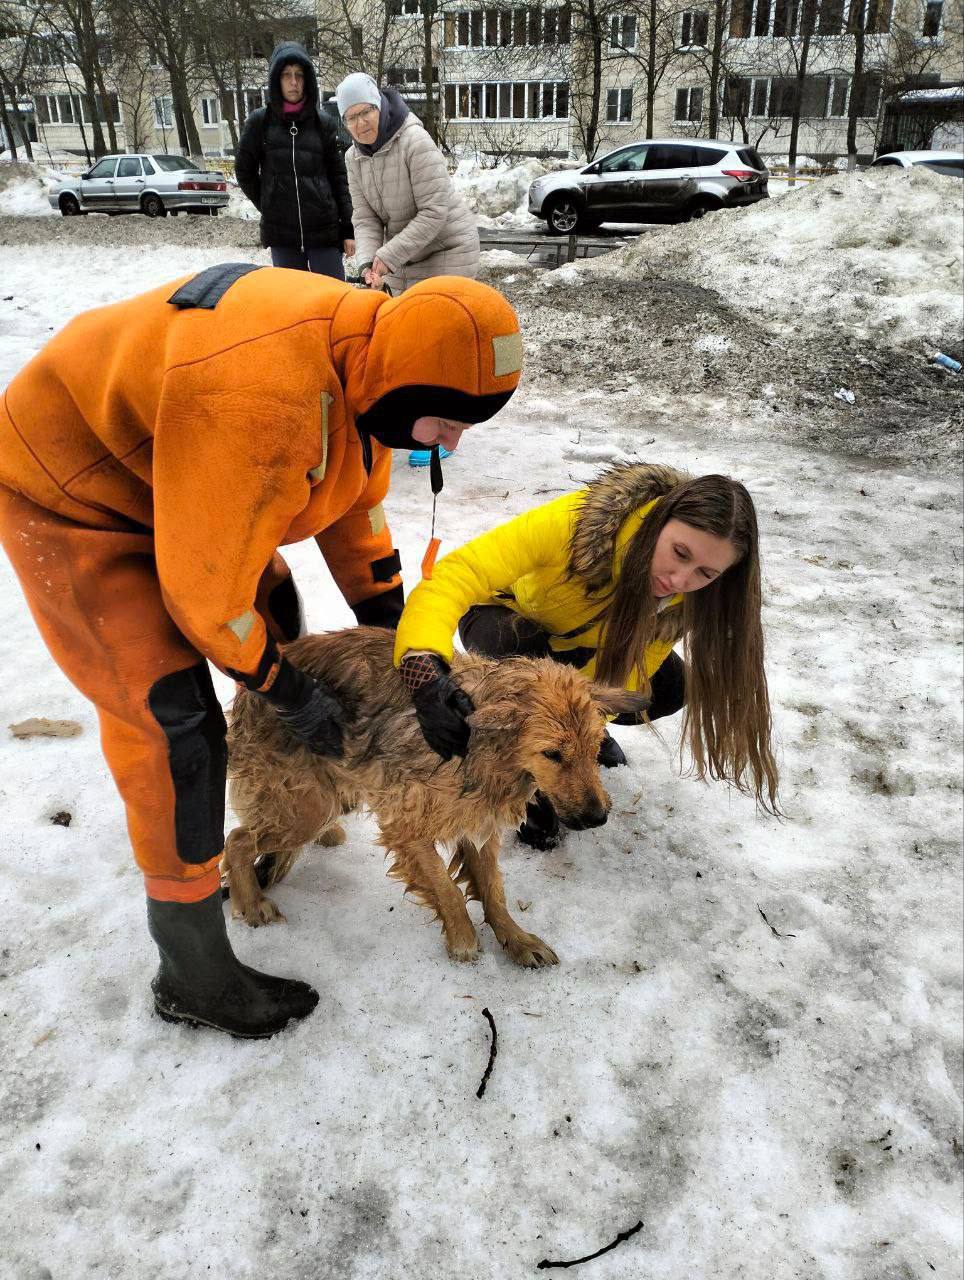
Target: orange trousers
x: 95, y: 596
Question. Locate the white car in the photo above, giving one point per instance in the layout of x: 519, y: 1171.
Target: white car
x: 950, y: 162
x: 154, y: 185
x: 685, y: 177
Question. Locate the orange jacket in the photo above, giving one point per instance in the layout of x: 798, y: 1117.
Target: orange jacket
x: 230, y: 429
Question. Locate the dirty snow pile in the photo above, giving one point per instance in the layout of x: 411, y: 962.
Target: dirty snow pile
x: 23, y: 190
x: 239, y: 206
x: 500, y: 196
x: 878, y: 254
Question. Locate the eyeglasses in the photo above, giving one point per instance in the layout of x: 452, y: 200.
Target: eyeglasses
x: 358, y: 117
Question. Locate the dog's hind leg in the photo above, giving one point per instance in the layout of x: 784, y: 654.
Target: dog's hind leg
x: 418, y: 865
x: 282, y: 838
x: 248, y: 902
x: 480, y: 871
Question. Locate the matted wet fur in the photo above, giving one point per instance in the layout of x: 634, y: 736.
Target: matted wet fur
x: 537, y: 725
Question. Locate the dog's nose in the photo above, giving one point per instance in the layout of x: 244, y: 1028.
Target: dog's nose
x: 594, y: 816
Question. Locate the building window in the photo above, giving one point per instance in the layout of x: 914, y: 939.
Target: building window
x: 410, y: 8
x: 53, y: 51
x: 622, y: 31
x: 868, y: 96
x: 773, y: 97
x: 837, y: 91
x: 695, y: 28
x: 64, y: 108
x: 689, y: 105
x: 210, y: 111
x: 517, y: 100
x: 831, y: 17
x: 409, y: 77
x: 933, y: 17
x: 619, y: 106
x: 164, y: 113
x: 357, y: 42
x: 113, y: 108
x: 499, y: 28
x: 59, y: 108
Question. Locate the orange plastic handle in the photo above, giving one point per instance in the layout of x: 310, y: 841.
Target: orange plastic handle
x: 428, y: 560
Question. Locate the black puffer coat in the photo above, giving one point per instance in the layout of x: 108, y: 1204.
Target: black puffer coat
x: 291, y: 167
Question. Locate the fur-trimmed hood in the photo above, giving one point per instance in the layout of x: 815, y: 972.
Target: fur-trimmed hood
x: 610, y: 500
x: 554, y: 565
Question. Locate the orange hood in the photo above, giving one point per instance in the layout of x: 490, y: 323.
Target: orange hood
x: 448, y: 347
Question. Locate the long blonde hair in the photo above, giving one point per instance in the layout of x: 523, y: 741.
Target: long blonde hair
x: 727, y: 723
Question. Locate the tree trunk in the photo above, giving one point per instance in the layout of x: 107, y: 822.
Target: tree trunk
x: 430, y: 121
x: 592, y: 125
x: 856, y: 92
x: 7, y: 127
x: 90, y: 98
x: 720, y: 19
x: 187, y: 133
x: 18, y: 121
x: 651, y: 67
x: 108, y: 109
x: 807, y: 23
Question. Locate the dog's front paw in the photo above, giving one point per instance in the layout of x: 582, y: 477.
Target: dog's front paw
x: 536, y: 838
x: 464, y: 948
x: 261, y: 911
x: 332, y: 836
x: 529, y: 951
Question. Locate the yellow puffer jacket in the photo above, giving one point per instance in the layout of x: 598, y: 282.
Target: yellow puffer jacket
x: 555, y: 565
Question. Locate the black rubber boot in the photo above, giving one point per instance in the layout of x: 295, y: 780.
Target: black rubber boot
x: 610, y: 753
x: 541, y: 827
x: 202, y: 982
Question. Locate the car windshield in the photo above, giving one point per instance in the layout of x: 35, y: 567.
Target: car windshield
x: 171, y: 164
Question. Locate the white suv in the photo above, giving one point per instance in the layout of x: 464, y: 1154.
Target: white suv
x: 688, y: 177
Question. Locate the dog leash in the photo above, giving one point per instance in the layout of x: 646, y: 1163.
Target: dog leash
x: 360, y: 283
x: 435, y: 475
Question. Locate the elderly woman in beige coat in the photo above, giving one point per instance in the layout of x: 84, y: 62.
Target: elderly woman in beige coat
x: 410, y: 223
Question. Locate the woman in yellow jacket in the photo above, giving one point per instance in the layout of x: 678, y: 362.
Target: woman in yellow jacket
x: 609, y: 579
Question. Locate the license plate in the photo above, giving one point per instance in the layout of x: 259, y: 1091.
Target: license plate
x: 209, y: 199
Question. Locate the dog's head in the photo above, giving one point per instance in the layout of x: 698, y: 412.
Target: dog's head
x: 546, y: 722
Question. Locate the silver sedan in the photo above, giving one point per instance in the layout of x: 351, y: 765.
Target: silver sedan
x: 154, y: 185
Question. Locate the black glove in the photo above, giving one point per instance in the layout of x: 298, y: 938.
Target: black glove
x: 381, y: 611
x: 308, y: 710
x: 440, y: 705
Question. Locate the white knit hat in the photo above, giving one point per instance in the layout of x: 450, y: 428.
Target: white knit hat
x: 356, y: 89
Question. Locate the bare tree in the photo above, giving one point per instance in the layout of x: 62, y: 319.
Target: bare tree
x: 655, y: 47
x: 18, y: 44
x: 82, y: 27
x: 169, y: 28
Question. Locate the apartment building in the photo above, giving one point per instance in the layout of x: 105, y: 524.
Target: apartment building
x: 549, y: 78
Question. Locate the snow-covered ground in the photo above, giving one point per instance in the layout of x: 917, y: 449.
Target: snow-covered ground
x: 771, y: 1107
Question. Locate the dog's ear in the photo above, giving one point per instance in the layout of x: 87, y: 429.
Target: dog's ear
x: 619, y: 702
x: 498, y: 720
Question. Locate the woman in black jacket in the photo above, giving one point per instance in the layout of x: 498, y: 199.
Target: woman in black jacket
x: 291, y: 168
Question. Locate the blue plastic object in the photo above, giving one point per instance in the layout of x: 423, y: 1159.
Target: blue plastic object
x: 422, y: 457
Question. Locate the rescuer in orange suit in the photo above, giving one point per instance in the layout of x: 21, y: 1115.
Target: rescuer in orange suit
x: 153, y: 457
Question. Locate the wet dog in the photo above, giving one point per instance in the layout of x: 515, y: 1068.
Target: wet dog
x: 537, y: 726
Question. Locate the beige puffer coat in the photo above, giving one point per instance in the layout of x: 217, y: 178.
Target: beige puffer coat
x: 407, y: 212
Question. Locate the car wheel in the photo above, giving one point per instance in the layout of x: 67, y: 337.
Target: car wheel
x: 70, y: 206
x: 153, y: 206
x: 562, y: 215
x: 701, y: 206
